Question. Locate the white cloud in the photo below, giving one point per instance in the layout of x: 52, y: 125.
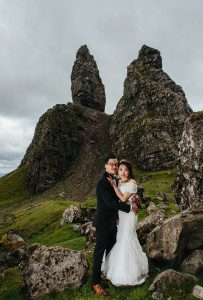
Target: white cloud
x: 15, y: 136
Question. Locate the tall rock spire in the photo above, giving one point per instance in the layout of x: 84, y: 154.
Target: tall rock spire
x: 148, y: 121
x: 86, y: 84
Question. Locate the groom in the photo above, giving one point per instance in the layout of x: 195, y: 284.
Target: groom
x: 105, y: 220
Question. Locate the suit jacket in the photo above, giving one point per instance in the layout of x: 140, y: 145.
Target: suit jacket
x: 108, y: 204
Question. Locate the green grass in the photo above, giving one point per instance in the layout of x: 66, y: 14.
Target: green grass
x: 90, y: 202
x: 14, y: 187
x: 37, y: 220
x: 11, y: 283
x: 154, y: 182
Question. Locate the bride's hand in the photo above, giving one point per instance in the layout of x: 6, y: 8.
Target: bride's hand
x: 112, y: 182
x: 134, y: 208
x: 135, y: 198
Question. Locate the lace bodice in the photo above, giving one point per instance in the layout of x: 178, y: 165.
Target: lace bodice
x: 129, y: 186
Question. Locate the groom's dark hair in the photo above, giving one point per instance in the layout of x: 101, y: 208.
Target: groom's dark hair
x: 110, y: 156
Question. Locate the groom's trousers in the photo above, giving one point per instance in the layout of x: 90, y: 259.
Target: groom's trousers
x: 105, y: 240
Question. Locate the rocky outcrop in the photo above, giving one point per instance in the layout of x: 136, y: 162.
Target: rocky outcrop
x: 148, y: 121
x: 80, y: 219
x: 193, y: 263
x: 68, y: 148
x: 188, y: 186
x: 172, y: 281
x: 77, y: 213
x: 86, y: 84
x: 156, y: 217
x: 177, y: 237
x: 52, y: 269
x: 13, y: 251
x: 86, y: 229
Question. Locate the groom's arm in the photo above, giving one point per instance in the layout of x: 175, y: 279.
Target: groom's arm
x: 104, y: 190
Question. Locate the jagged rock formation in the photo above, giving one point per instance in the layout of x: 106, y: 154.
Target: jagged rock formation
x: 70, y: 141
x: 68, y: 148
x: 87, y: 87
x: 188, y: 186
x: 148, y: 121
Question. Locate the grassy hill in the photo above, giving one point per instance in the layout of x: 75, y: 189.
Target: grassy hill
x: 36, y: 219
x: 14, y: 187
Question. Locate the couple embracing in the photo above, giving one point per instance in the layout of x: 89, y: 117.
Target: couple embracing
x: 117, y: 253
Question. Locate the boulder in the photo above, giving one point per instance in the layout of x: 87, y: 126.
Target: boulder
x: 86, y: 229
x: 77, y: 213
x: 13, y: 251
x: 172, y: 279
x: 54, y: 269
x: 157, y: 296
x: 193, y: 263
x: 162, y: 195
x: 198, y: 292
x: 156, y: 217
x: 176, y: 237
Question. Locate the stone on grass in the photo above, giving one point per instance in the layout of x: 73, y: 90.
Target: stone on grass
x: 54, y: 269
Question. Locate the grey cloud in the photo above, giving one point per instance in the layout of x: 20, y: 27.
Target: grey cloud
x: 39, y: 40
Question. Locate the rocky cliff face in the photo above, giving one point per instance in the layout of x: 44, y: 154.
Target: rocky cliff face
x: 87, y: 87
x: 69, y: 145
x: 188, y: 186
x: 148, y: 121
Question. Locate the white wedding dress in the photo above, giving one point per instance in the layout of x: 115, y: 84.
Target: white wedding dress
x: 126, y: 264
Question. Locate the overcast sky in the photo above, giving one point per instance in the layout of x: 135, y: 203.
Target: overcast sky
x: 39, y: 40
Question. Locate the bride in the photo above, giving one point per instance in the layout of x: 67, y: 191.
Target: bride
x: 126, y: 264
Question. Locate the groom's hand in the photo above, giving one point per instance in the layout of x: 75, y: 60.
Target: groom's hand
x: 134, y: 208
x: 135, y: 198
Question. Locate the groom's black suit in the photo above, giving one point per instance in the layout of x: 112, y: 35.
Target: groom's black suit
x: 104, y: 220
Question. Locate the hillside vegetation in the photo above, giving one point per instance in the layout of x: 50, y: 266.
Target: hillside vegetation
x: 37, y: 219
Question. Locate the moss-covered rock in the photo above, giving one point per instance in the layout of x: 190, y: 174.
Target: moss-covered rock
x: 148, y: 121
x: 69, y: 140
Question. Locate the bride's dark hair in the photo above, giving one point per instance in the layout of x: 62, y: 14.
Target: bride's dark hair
x: 128, y: 165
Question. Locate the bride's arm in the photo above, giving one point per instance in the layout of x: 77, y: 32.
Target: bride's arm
x: 123, y: 197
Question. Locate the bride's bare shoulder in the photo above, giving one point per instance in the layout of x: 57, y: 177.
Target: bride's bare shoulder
x: 132, y: 181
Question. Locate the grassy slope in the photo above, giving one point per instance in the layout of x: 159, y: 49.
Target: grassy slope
x: 37, y: 221
x: 14, y: 188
